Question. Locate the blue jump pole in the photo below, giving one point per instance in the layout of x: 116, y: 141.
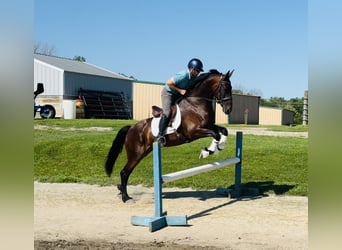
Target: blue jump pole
x: 157, y: 179
x: 237, y: 191
x: 161, y: 219
x: 238, y: 166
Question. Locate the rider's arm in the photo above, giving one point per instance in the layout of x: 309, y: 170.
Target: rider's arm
x: 172, y: 85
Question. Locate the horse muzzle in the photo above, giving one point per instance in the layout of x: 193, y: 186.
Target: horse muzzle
x: 227, y: 106
x: 227, y: 109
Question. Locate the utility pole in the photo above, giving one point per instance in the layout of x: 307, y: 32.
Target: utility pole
x: 305, y: 108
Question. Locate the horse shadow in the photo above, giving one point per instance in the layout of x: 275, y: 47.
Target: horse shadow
x: 249, y: 190
x: 265, y: 187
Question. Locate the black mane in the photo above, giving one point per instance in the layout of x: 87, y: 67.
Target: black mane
x: 201, y: 78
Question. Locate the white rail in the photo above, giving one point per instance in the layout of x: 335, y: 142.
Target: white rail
x: 200, y: 169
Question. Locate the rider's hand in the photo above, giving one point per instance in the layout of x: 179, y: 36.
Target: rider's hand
x: 182, y: 91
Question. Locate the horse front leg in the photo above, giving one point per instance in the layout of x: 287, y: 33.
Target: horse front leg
x: 223, y: 140
x: 218, y: 143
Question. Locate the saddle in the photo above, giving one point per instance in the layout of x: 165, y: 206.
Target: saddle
x: 157, y: 112
x: 174, y: 123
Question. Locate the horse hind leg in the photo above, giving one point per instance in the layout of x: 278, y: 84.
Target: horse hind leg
x: 124, y: 174
x: 127, y: 170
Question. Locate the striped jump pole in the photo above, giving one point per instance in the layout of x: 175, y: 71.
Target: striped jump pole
x: 160, y: 219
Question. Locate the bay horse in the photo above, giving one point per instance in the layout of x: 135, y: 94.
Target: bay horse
x: 198, y: 118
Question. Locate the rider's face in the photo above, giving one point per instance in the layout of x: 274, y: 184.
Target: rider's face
x: 194, y: 72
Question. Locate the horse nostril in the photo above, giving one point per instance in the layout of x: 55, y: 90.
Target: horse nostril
x: 227, y: 110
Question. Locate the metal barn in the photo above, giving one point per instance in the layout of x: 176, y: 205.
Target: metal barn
x: 147, y: 94
x: 245, y: 109
x: 66, y: 79
x: 275, y: 116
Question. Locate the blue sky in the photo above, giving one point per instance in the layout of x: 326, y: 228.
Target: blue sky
x: 265, y: 41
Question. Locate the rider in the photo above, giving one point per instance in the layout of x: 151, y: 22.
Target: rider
x: 175, y: 87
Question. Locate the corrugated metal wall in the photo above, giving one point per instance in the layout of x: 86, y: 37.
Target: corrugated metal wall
x: 270, y: 116
x: 146, y: 94
x: 51, y: 76
x: 287, y: 117
x: 275, y: 116
x: 245, y: 109
x: 220, y: 116
x: 74, y: 81
x: 59, y: 85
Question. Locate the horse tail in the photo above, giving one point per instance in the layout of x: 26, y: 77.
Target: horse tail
x: 116, y: 149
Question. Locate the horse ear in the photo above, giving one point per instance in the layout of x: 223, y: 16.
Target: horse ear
x: 229, y: 74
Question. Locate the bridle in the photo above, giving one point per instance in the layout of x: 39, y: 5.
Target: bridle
x: 219, y: 98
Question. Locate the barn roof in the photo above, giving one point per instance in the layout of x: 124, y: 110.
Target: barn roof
x: 70, y: 65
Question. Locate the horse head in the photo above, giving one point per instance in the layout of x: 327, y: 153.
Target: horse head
x: 213, y: 86
x: 224, y: 92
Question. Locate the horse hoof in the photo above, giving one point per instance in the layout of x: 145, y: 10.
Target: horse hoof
x: 126, y: 198
x: 130, y: 201
x: 204, y: 153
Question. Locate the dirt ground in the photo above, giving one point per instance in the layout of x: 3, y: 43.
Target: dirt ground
x: 80, y: 216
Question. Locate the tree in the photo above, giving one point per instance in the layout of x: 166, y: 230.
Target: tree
x: 296, y: 105
x: 45, y: 49
x: 123, y: 74
x: 239, y: 89
x: 79, y: 58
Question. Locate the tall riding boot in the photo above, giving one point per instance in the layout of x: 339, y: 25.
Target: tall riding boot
x: 162, y: 129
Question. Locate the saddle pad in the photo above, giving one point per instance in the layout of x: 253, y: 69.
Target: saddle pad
x: 175, y: 123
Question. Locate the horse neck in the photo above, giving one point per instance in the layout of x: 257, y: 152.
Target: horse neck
x: 201, y: 98
x: 205, y: 89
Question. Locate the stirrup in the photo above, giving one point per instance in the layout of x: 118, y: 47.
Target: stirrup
x: 161, y: 140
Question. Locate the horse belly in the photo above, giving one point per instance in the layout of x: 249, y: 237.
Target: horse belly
x: 175, y: 139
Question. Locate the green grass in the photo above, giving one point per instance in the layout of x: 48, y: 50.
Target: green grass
x: 83, y: 123
x: 276, y: 165
x: 297, y: 128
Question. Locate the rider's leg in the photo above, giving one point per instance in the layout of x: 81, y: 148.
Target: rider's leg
x: 164, y: 120
x: 166, y: 99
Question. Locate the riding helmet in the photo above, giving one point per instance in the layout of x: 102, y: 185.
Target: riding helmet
x: 196, y: 64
